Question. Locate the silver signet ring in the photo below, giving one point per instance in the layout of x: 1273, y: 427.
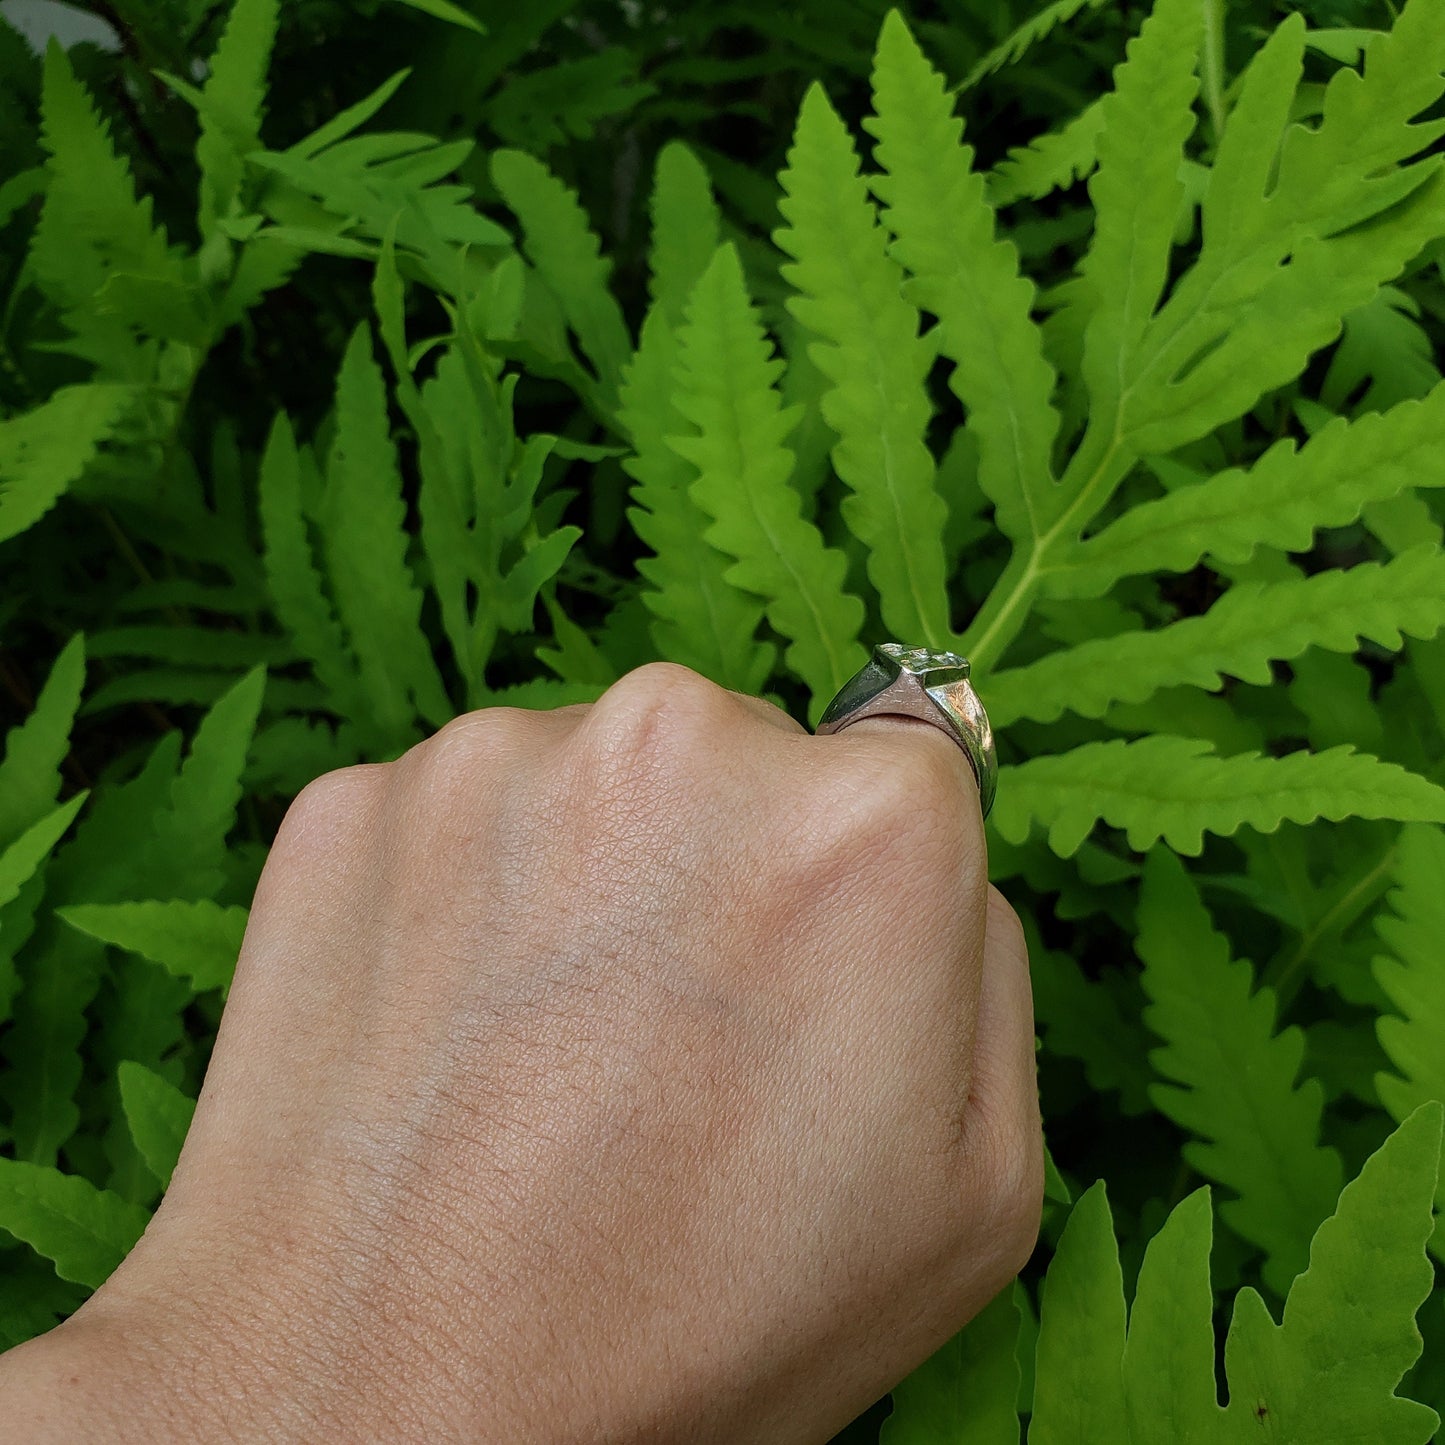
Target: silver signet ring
x: 933, y: 687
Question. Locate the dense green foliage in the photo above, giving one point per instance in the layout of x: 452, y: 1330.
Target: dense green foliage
x: 336, y: 399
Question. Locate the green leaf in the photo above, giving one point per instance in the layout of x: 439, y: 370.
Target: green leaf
x: 1052, y: 162
x: 363, y: 518
x: 92, y: 224
x: 197, y: 941
x: 1251, y: 626
x: 935, y: 206
x: 190, y: 834
x: 727, y: 389
x: 1137, y: 194
x: 1328, y: 1373
x: 294, y: 582
x: 848, y: 295
x: 1233, y: 1082
x: 1412, y: 975
x: 686, y: 229
x: 445, y: 10
x: 1278, y: 502
x: 116, y: 849
x: 1169, y: 1384
x: 1175, y: 788
x: 232, y: 103
x: 702, y: 620
x: 967, y: 1389
x: 84, y: 1231
x: 35, y: 749
x: 450, y: 415
x: 561, y: 245
x: 1079, y: 1385
x: 1291, y: 247
x: 18, y: 864
x: 158, y: 1115
x: 1020, y: 40
x: 344, y: 122
x: 44, y: 451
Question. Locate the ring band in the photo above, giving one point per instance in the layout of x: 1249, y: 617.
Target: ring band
x: 931, y: 686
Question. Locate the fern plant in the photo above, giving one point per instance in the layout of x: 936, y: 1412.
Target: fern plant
x: 1162, y: 456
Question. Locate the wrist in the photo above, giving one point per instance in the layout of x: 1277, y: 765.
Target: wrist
x: 120, y: 1372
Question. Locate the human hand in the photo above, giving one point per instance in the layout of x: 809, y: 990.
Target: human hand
x: 642, y: 1071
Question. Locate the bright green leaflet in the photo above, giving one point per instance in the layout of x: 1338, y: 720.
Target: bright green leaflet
x: 726, y: 389
x: 1079, y: 1389
x: 943, y: 228
x: 83, y: 1230
x: 1413, y: 978
x: 195, y: 940
x: 1231, y: 1080
x: 158, y: 1115
x: 867, y: 344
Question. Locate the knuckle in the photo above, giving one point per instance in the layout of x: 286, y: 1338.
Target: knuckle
x: 339, y: 795
x: 473, y: 738
x: 658, y: 708
x: 468, y: 744
x: 330, y: 809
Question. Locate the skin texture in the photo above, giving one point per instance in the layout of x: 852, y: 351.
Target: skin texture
x: 644, y: 1071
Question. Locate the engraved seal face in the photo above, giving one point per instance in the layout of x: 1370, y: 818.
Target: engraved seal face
x: 919, y: 661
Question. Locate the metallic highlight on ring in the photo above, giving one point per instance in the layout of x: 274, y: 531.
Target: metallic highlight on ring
x: 917, y: 682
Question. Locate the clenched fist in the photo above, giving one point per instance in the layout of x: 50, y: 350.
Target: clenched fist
x: 650, y: 1070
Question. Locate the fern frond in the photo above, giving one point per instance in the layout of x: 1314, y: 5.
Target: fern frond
x: 1051, y: 162
x: 446, y: 414
x: 451, y: 13
x: 115, y: 849
x: 1137, y: 192
x: 944, y: 234
x: 92, y: 226
x: 45, y: 451
x: 848, y: 296
x: 1278, y: 502
x: 562, y: 246
x: 1017, y: 44
x: 1343, y: 207
x: 1232, y: 1080
x: 84, y: 1231
x: 1079, y: 1383
x: 703, y: 621
x: 232, y: 105
x: 1251, y: 626
x: 1209, y: 374
x: 347, y: 121
x: 34, y: 750
x: 158, y: 1116
x: 686, y: 229
x: 1176, y: 789
x: 1170, y: 1391
x: 295, y: 585
x: 1412, y: 975
x: 197, y: 940
x: 1329, y: 1371
x: 363, y: 519
x: 191, y: 832
x: 726, y: 389
x: 20, y: 860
